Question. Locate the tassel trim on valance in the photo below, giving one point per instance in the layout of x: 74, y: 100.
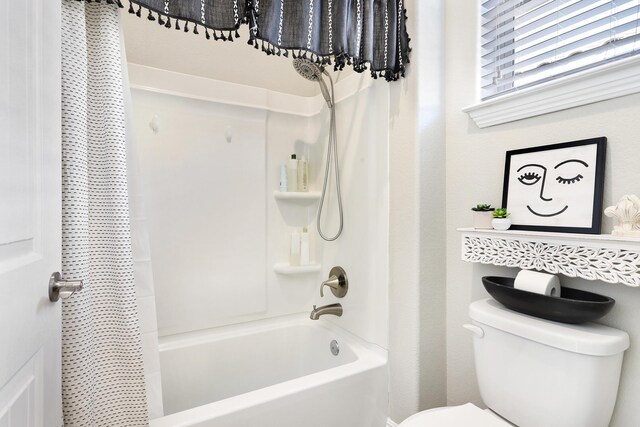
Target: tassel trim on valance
x: 338, y: 59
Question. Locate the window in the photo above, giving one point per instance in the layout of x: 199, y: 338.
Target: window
x: 527, y: 42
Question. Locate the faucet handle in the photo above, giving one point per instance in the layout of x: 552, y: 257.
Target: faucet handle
x: 333, y: 283
x: 337, y: 281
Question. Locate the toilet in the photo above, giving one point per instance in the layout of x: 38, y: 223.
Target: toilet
x: 536, y: 373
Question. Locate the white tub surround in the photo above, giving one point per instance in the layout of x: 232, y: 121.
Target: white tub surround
x: 165, y: 82
x: 186, y: 168
x: 276, y: 372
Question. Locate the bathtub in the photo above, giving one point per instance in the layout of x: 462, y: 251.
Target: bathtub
x: 273, y: 373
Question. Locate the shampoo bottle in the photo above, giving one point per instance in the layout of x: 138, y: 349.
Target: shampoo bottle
x: 304, y: 247
x: 292, y: 174
x: 294, y: 254
x: 283, y: 178
x: 303, y: 174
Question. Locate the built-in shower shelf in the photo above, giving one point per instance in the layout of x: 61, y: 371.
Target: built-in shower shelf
x: 302, y: 198
x: 285, y: 268
x: 602, y: 257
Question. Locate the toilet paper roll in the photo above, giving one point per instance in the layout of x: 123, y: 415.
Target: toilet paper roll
x: 540, y: 283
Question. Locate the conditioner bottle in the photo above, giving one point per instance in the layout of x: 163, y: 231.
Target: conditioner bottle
x: 292, y: 174
x: 294, y: 253
x: 304, y: 247
x: 283, y: 178
x: 303, y: 174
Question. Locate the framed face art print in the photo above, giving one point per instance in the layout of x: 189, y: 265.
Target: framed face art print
x: 556, y: 187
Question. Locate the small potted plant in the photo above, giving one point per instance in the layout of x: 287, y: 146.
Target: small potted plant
x: 482, y: 216
x: 501, y: 220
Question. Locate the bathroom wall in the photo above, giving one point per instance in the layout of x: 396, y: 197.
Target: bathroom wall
x: 474, y: 174
x: 215, y: 228
x: 206, y: 204
x: 363, y: 247
x: 417, y: 357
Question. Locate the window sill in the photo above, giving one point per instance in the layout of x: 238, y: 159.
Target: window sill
x: 608, y: 81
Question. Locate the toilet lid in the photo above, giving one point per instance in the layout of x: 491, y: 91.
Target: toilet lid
x: 456, y: 416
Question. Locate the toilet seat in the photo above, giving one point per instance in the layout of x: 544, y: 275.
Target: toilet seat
x: 467, y: 415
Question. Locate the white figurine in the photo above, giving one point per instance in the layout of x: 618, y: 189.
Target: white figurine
x: 627, y: 212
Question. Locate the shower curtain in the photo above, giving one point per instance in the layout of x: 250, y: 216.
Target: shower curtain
x: 102, y: 366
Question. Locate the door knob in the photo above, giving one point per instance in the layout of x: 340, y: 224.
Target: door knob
x: 59, y: 288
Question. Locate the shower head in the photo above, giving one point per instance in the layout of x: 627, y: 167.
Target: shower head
x: 311, y: 71
x: 307, y: 69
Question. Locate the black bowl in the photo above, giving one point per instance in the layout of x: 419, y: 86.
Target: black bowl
x: 572, y: 306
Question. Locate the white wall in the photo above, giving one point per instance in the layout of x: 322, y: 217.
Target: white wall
x: 206, y: 208
x: 474, y: 174
x: 217, y: 187
x: 362, y: 248
x: 417, y: 231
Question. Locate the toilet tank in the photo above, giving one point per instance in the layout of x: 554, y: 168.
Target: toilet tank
x: 538, y: 373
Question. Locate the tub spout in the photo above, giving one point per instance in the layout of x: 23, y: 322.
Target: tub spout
x: 335, y: 309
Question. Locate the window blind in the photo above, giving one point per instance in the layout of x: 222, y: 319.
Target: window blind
x: 526, y: 42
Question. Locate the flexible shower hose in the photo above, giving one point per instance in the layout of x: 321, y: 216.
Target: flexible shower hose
x: 332, y: 149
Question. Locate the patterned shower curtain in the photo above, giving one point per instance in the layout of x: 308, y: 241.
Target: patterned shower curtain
x: 102, y: 366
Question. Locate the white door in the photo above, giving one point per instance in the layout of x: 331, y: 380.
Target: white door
x: 30, y: 212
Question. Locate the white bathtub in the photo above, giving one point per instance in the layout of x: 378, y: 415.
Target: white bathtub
x: 273, y: 373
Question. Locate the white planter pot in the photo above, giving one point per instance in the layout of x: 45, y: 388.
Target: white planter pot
x: 501, y: 223
x: 482, y: 219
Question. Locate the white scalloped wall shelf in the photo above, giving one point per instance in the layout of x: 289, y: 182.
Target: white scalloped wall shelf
x: 593, y: 257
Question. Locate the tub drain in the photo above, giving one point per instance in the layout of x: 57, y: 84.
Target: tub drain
x: 335, y: 348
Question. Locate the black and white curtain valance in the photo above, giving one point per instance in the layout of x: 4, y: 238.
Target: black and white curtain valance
x: 367, y: 34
